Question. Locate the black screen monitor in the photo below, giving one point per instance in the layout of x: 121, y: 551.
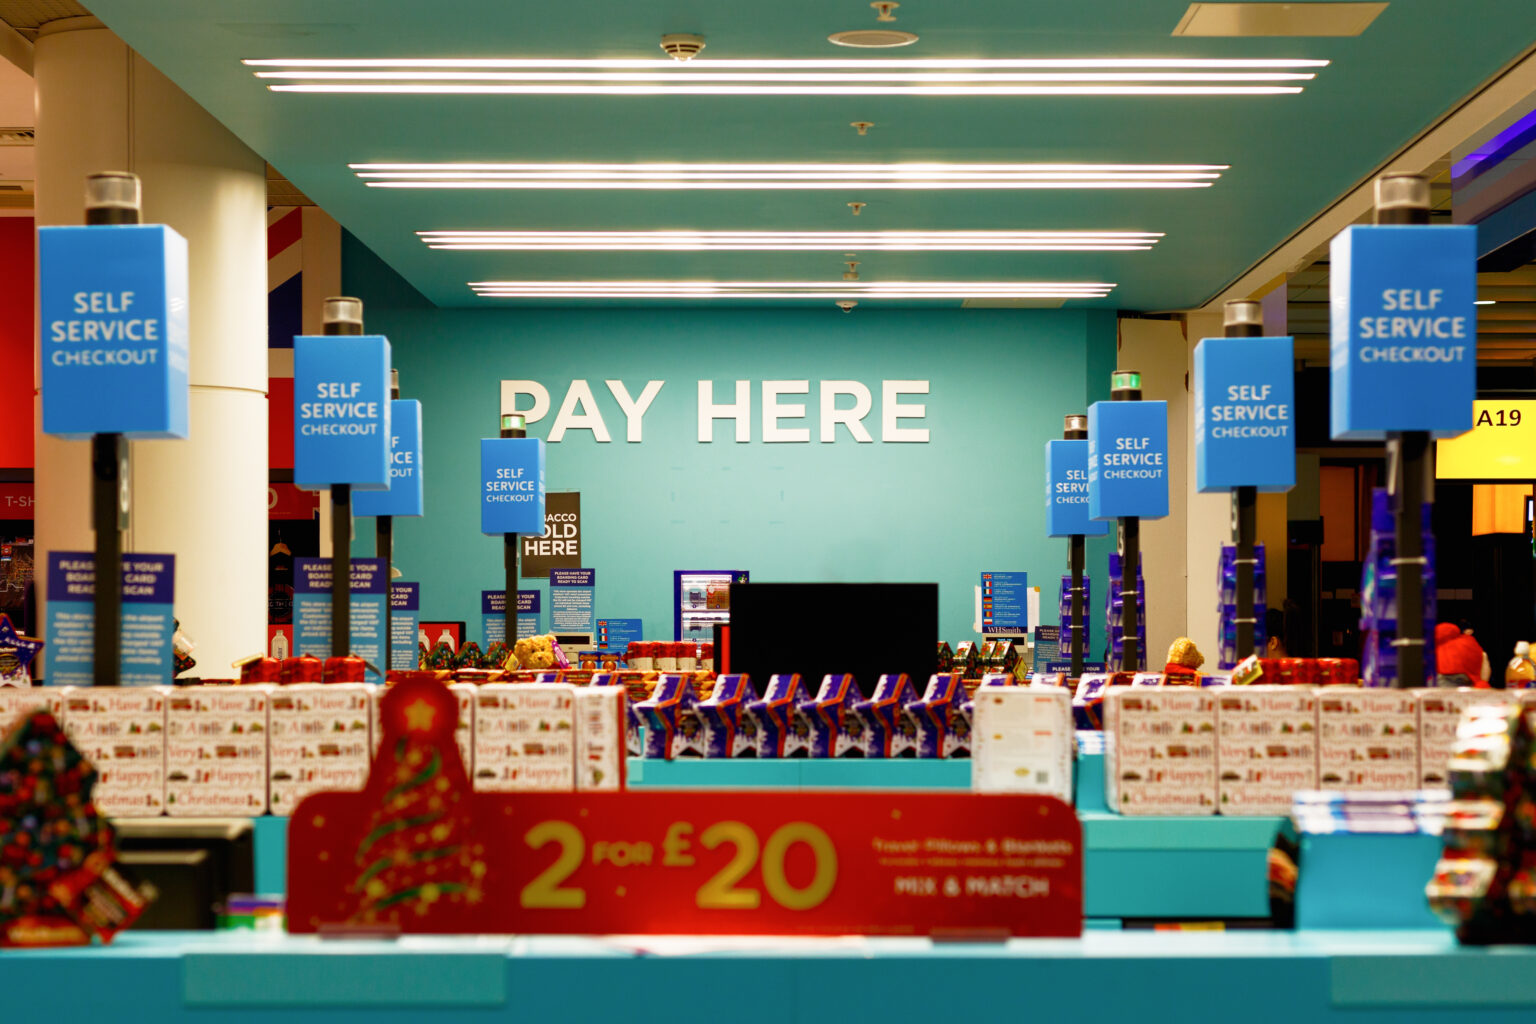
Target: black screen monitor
x: 868, y: 629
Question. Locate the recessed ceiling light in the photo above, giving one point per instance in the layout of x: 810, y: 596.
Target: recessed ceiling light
x: 794, y: 241
x: 876, y: 76
x: 789, y: 289
x: 785, y: 176
x: 873, y: 38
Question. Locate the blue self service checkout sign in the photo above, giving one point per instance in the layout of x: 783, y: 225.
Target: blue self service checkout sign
x: 341, y: 411
x: 1128, y: 460
x: 1403, y: 354
x: 405, y: 494
x: 1066, y: 490
x: 112, y: 302
x: 511, y: 485
x: 1245, y: 431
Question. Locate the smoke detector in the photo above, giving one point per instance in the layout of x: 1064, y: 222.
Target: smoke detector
x: 846, y: 305
x: 682, y: 45
x: 883, y: 9
x: 872, y: 38
x: 862, y: 127
x: 857, y: 208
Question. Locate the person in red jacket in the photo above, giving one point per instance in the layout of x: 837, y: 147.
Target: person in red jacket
x: 1459, y: 658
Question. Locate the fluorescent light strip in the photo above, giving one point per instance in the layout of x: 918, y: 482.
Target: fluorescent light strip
x: 1093, y: 76
x: 788, y: 241
x: 848, y: 64
x: 785, y: 77
x: 786, y: 176
x: 790, y: 289
x: 573, y: 89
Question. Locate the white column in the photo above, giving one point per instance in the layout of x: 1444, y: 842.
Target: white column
x: 1157, y: 349
x: 100, y: 106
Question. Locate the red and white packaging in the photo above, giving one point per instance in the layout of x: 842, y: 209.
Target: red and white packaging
x: 121, y: 731
x: 525, y: 737
x: 17, y: 702
x: 216, y: 751
x: 1022, y: 740
x: 1440, y: 711
x: 1267, y: 747
x: 600, y: 742
x: 319, y: 740
x: 1367, y: 738
x: 1160, y: 750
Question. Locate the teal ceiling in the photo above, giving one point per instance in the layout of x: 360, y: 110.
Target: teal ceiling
x: 1289, y: 154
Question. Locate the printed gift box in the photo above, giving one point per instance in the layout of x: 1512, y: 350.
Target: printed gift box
x: 1268, y: 747
x: 121, y: 730
x: 1160, y: 750
x: 216, y: 751
x: 524, y: 737
x: 320, y: 740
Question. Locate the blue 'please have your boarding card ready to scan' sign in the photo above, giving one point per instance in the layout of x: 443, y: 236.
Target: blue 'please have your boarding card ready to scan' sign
x: 1403, y: 327
x: 112, y: 303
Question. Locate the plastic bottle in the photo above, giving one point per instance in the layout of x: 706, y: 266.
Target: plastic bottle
x: 1521, y: 672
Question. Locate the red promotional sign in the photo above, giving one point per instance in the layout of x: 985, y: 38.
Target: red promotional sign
x: 285, y: 501
x: 16, y: 501
x: 417, y: 851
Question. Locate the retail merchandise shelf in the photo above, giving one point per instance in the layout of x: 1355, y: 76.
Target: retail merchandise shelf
x: 799, y: 773
x: 1260, y: 977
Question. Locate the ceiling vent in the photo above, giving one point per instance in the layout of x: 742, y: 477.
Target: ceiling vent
x: 1278, y: 19
x: 18, y: 136
x: 872, y: 38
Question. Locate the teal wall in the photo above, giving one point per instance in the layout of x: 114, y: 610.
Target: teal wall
x: 970, y: 499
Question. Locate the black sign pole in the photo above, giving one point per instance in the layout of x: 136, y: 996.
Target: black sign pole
x: 384, y: 540
x: 1404, y: 199
x: 512, y: 425
x: 342, y: 317
x: 1244, y: 318
x: 110, y: 198
x: 1076, y: 429
x: 1125, y: 386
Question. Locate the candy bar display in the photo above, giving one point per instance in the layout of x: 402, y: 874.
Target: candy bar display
x: 728, y: 730
x: 891, y: 730
x: 778, y: 719
x: 1114, y: 611
x: 1160, y: 750
x: 932, y: 713
x: 121, y: 731
x: 1064, y: 614
x: 835, y: 727
x: 524, y: 737
x: 1226, y: 604
x: 216, y: 750
x: 1267, y: 747
x: 1367, y: 739
x: 672, y: 728
x: 946, y: 657
x: 967, y: 660
x: 1378, y: 596
x: 1023, y: 741
x: 320, y: 740
x: 1485, y: 881
x: 58, y: 882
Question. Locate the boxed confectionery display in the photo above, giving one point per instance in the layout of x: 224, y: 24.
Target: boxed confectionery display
x: 1367, y: 738
x: 778, y: 719
x: 121, y: 731
x: 932, y: 713
x: 1023, y: 740
x: 600, y: 752
x: 320, y: 740
x: 17, y: 702
x: 888, y: 725
x: 834, y: 725
x: 727, y: 729
x: 216, y: 750
x: 672, y: 726
x: 1268, y: 747
x: 1160, y: 750
x: 524, y: 737
x: 1440, y: 712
